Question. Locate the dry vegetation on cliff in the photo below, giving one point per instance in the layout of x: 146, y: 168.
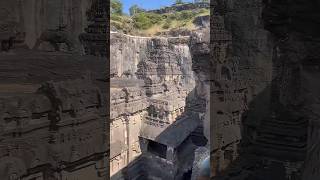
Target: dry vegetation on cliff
x: 172, y: 21
x: 146, y: 23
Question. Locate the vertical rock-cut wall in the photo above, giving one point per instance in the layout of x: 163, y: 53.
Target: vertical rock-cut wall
x: 35, y: 16
x: 251, y: 48
x: 127, y: 51
x: 251, y: 43
x: 250, y: 58
x: 150, y: 79
x: 202, y: 66
x: 35, y: 138
x: 296, y: 58
x: 278, y: 70
x: 241, y: 55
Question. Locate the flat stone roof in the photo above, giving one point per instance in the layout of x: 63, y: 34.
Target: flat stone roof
x: 174, y: 134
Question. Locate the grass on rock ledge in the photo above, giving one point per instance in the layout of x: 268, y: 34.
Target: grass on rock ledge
x: 151, y: 24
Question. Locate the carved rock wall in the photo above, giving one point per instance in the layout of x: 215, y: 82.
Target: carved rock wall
x: 128, y: 51
x: 240, y: 69
x: 276, y: 69
x: 159, y: 69
x: 51, y: 128
x: 296, y: 36
x: 49, y: 114
x: 33, y: 17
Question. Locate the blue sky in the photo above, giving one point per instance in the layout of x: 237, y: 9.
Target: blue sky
x: 147, y: 4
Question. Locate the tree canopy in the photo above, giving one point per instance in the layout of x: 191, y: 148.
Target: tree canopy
x: 179, y: 2
x: 201, y: 1
x: 116, y: 7
x: 135, y: 9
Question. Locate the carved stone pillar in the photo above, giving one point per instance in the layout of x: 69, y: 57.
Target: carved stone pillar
x: 170, y: 154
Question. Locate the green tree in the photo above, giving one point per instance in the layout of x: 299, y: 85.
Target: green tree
x: 116, y: 7
x: 201, y: 1
x: 179, y: 2
x: 141, y: 21
x: 135, y: 9
x: 145, y: 20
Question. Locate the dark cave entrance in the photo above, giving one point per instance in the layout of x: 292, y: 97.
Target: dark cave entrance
x: 157, y: 149
x: 187, y: 175
x: 148, y: 86
x: 198, y: 138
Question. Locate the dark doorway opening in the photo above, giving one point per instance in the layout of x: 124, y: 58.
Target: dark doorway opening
x: 157, y: 149
x: 187, y: 175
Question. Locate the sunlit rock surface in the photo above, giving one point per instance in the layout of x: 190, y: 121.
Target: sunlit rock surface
x: 170, y: 110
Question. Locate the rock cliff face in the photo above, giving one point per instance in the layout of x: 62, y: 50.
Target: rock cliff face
x: 296, y: 60
x: 202, y: 66
x: 33, y: 17
x: 47, y: 116
x: 167, y: 116
x: 279, y: 39
x: 241, y: 56
x: 53, y: 104
x: 128, y: 53
x: 251, y: 54
x: 255, y: 78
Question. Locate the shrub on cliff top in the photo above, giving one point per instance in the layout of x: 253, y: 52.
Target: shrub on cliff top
x: 179, y: 2
x: 167, y: 24
x: 185, y: 15
x: 135, y: 9
x: 121, y: 23
x: 146, y: 20
x: 116, y: 7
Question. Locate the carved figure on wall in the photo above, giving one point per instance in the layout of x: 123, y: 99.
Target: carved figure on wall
x: 126, y: 94
x: 113, y: 72
x: 162, y: 113
x: 9, y: 35
x: 7, y: 44
x: 127, y: 74
x: 55, y: 37
x: 165, y: 87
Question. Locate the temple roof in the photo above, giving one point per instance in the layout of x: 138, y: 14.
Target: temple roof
x: 174, y: 134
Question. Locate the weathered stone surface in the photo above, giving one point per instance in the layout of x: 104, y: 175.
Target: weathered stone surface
x: 278, y: 130
x: 34, y: 17
x: 53, y: 104
x: 200, y: 155
x: 50, y: 123
x: 295, y: 42
x: 173, y: 115
x: 237, y: 66
x: 95, y: 40
x: 202, y: 21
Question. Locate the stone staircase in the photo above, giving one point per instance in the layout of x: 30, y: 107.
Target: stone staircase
x: 281, y: 139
